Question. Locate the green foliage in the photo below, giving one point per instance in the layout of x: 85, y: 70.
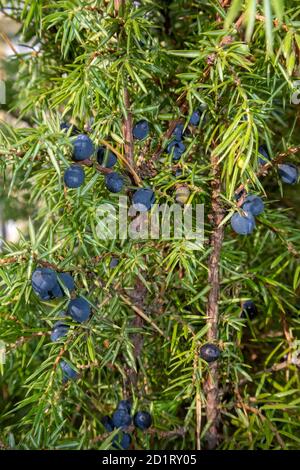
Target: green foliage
x: 162, y: 53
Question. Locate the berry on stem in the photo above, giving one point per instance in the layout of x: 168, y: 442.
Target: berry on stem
x: 124, y: 405
x: 122, y: 440
x: 178, y: 132
x: 265, y: 158
x: 143, y: 199
x: 79, y: 309
x: 114, y: 182
x: 83, y: 147
x: 65, y: 126
x: 142, y: 420
x: 74, y: 176
x: 107, y: 423
x: 141, y: 130
x: 68, y: 283
x: 209, y: 352
x: 243, y: 224
x: 106, y: 157
x: 121, y: 418
x: 288, y: 172
x: 176, y: 148
x: 249, y: 310
x: 113, y: 263
x: 59, y: 330
x: 67, y: 280
x: 43, y: 280
x: 253, y: 204
x: 68, y: 371
x: 195, y: 118
x: 178, y: 172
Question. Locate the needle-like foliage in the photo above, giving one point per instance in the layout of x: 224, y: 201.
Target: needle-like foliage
x: 104, y: 66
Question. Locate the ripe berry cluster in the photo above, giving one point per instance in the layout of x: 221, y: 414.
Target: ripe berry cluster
x: 244, y: 223
x: 288, y: 172
x: 121, y: 418
x: 83, y: 149
x: 48, y: 285
x: 176, y: 147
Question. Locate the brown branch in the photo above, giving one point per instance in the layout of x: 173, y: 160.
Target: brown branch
x: 152, y: 431
x: 198, y: 420
x: 10, y: 260
x: 17, y: 259
x: 10, y: 44
x: 118, y: 5
x: 225, y: 3
x: 240, y: 21
x: 136, y: 302
x: 275, y: 22
x: 264, y: 170
x: 103, y: 170
x: 140, y: 312
x: 211, y: 384
x: 135, y: 176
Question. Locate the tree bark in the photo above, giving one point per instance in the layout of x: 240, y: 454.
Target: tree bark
x: 211, y: 385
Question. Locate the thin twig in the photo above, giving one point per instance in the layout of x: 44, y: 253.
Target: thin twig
x: 152, y: 431
x: 198, y: 420
x: 137, y: 298
x: 264, y: 169
x: 143, y: 315
x: 124, y: 160
x: 257, y: 412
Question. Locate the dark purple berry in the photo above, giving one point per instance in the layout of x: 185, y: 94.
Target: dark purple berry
x: 142, y: 420
x: 178, y: 132
x: 68, y: 371
x: 195, y: 118
x: 176, y: 148
x: 43, y: 280
x: 209, y: 352
x: 253, y: 204
x: 83, y: 147
x: 74, y: 176
x: 124, y: 405
x: 114, y: 182
x: 122, y: 441
x: 143, y: 199
x: 106, y: 157
x: 59, y: 330
x: 141, y: 130
x: 79, y: 309
x: 243, y: 224
x: 107, y: 423
x: 121, y: 418
x: 265, y: 158
x: 288, y: 173
x: 249, y: 310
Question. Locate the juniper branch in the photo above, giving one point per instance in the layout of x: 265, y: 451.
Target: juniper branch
x: 212, y: 311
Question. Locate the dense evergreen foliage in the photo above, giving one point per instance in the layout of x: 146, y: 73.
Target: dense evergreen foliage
x: 176, y: 97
